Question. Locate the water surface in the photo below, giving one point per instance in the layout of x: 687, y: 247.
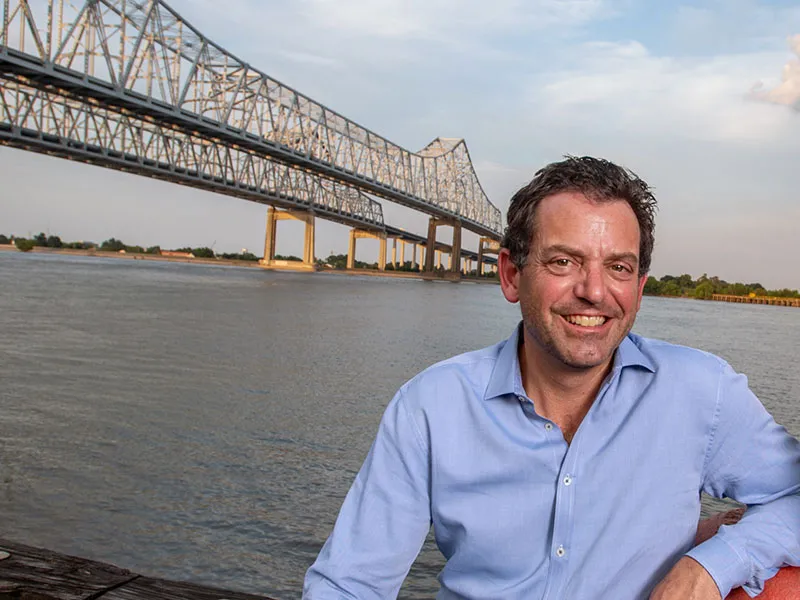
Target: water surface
x: 204, y: 423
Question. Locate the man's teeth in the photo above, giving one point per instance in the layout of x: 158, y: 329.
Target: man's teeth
x: 585, y: 321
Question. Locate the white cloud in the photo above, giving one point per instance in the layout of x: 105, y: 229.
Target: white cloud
x: 623, y: 87
x: 432, y: 19
x: 787, y: 92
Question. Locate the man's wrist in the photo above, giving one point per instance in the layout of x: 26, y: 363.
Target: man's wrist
x: 726, y: 566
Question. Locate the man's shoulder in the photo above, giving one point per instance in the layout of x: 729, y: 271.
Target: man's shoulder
x: 668, y: 356
x: 460, y: 374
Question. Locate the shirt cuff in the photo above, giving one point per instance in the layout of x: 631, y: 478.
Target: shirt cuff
x: 727, y: 567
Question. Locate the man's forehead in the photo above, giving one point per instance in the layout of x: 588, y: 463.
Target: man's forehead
x: 573, y: 215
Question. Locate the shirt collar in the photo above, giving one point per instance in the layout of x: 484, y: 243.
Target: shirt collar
x: 506, y: 378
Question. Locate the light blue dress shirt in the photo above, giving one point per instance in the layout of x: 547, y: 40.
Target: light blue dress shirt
x: 518, y: 513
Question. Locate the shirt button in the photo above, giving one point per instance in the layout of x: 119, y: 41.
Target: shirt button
x: 560, y: 552
x: 548, y: 426
x: 567, y: 480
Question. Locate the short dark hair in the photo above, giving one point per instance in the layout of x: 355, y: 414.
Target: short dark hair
x: 600, y: 181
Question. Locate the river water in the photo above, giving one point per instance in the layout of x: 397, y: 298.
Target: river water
x: 204, y: 423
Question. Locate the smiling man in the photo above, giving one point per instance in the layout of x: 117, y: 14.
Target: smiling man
x: 567, y: 461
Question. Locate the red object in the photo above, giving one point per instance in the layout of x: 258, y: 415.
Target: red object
x: 784, y: 586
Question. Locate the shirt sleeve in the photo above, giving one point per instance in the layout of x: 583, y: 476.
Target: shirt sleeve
x: 755, y: 461
x: 384, y: 519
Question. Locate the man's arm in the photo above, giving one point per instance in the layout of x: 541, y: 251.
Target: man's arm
x: 755, y: 461
x: 384, y: 519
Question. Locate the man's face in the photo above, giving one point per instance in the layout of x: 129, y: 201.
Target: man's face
x: 580, y: 290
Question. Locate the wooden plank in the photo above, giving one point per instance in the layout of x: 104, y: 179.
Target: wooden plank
x: 28, y: 573
x: 44, y: 575
x: 147, y: 588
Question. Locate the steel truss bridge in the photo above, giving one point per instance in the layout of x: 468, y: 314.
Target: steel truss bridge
x: 130, y: 85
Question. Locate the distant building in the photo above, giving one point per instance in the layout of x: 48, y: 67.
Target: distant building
x: 176, y: 254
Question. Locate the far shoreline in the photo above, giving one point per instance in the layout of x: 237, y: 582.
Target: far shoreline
x: 227, y: 262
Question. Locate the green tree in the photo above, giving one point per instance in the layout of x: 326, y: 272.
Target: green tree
x: 704, y: 290
x: 24, y: 245
x: 670, y: 288
x: 4, y: 239
x: 40, y: 239
x: 53, y: 241
x: 203, y: 252
x: 112, y: 245
x: 652, y: 286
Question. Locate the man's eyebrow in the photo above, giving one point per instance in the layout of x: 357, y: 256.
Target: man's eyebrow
x: 563, y: 248
x: 626, y: 256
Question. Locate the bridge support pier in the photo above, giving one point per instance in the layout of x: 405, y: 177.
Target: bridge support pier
x: 454, y: 263
x: 356, y: 234
x: 273, y: 216
x: 486, y: 246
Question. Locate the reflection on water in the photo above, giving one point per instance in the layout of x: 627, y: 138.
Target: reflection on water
x: 204, y: 423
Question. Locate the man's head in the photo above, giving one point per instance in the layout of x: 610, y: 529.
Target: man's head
x: 598, y: 180
x: 575, y: 256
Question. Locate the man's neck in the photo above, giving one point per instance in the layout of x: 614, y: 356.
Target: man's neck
x: 560, y: 393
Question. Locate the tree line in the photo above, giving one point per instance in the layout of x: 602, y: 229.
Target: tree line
x: 705, y: 287
x: 114, y: 245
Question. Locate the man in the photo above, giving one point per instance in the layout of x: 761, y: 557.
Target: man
x: 567, y: 462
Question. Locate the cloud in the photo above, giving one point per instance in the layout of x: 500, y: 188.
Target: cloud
x: 622, y: 87
x: 441, y: 19
x: 788, y: 91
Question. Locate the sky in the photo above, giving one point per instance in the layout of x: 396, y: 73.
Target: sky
x: 701, y: 99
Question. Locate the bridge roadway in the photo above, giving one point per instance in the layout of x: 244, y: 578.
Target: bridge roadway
x: 115, y: 66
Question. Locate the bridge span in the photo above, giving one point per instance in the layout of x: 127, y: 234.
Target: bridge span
x: 131, y: 85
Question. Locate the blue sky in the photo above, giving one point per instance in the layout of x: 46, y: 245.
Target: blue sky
x: 702, y: 99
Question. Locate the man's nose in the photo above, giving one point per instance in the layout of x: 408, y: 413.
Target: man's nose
x: 591, y: 285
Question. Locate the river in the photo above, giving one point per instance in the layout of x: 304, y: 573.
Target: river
x: 204, y: 423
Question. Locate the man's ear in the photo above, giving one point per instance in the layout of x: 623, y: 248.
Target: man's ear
x: 509, y: 276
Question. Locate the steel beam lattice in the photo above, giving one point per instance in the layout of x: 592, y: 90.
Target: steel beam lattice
x: 46, y: 121
x: 140, y: 57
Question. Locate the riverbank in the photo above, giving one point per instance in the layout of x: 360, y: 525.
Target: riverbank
x: 285, y: 266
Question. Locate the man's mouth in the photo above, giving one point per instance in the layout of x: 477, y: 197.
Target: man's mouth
x: 585, y: 320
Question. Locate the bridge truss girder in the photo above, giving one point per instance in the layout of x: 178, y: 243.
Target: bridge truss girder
x: 143, y: 56
x: 50, y: 122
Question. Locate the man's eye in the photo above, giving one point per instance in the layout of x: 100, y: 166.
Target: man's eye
x: 620, y: 268
x: 561, y: 262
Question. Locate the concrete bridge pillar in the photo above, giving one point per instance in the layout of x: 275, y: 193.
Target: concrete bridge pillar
x: 413, y: 256
x: 351, y: 250
x: 273, y: 216
x: 394, y: 253
x: 402, y: 253
x: 355, y: 235
x: 430, y: 250
x: 455, y: 253
x: 382, y: 254
x: 454, y: 262
x: 486, y: 246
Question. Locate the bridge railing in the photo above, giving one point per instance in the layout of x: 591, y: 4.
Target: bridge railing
x: 52, y: 123
x: 146, y: 50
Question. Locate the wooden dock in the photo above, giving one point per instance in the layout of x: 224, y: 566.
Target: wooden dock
x: 28, y: 573
x: 771, y: 300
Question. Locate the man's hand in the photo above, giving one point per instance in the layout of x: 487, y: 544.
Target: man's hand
x: 687, y: 580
